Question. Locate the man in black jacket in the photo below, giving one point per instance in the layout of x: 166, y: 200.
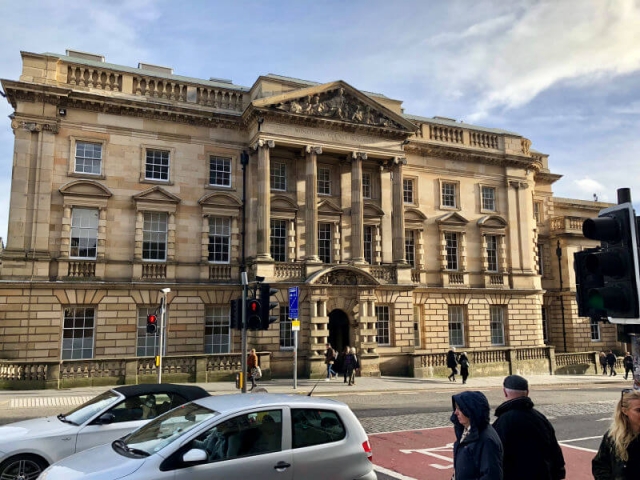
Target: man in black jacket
x: 531, y: 451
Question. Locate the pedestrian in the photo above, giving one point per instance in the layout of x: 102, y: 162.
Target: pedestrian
x: 351, y: 365
x: 627, y: 361
x: 252, y: 364
x: 531, y: 450
x: 452, y: 363
x: 603, y: 362
x: 340, y: 365
x: 611, y: 362
x: 618, y: 457
x: 477, y: 451
x: 463, y: 359
x: 329, y: 360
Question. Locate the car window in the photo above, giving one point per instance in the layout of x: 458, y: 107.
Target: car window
x: 315, y: 427
x: 244, y: 435
x: 84, y: 412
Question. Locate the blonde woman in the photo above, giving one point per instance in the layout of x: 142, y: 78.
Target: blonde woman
x: 619, y: 455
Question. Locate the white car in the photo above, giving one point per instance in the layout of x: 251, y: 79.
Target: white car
x: 258, y: 436
x: 28, y: 447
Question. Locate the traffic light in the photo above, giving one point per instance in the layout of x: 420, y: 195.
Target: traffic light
x: 585, y: 282
x: 253, y: 314
x: 235, y: 319
x: 152, y: 323
x: 609, y: 275
x: 266, y: 318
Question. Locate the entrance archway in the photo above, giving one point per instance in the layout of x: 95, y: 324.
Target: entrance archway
x: 338, y: 330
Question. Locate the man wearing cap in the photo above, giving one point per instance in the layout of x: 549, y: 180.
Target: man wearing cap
x: 531, y: 450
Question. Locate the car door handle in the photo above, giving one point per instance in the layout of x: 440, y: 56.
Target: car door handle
x: 281, y: 465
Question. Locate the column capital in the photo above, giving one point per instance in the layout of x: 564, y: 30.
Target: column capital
x: 358, y: 155
x: 400, y: 160
x: 263, y: 143
x: 518, y: 185
x: 313, y: 149
x: 34, y: 126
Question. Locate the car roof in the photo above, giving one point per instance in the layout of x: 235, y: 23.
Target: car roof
x: 190, y: 392
x: 237, y: 401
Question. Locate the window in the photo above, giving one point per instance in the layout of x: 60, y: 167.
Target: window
x: 537, y: 211
x: 449, y: 196
x: 410, y: 247
x: 451, y: 240
x: 324, y: 181
x: 147, y: 343
x: 497, y: 325
x: 217, y: 335
x: 416, y: 327
x: 279, y: 240
x: 407, y: 190
x: 456, y: 326
x: 324, y: 242
x: 77, y: 333
x: 545, y: 326
x: 540, y: 259
x: 489, y: 199
x: 157, y: 165
x: 88, y: 158
x: 286, y: 335
x: 595, y: 330
x: 369, y: 235
x: 492, y: 253
x: 278, y: 176
x: 366, y: 185
x: 154, y: 236
x: 383, y: 325
x: 84, y: 233
x: 219, y: 239
x: 219, y: 171
x: 315, y: 427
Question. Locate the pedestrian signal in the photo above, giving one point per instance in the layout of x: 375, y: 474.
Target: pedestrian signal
x: 253, y: 314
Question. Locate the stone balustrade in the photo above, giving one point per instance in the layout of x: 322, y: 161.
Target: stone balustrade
x: 566, y: 224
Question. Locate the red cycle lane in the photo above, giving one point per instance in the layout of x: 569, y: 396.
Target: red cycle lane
x: 427, y: 455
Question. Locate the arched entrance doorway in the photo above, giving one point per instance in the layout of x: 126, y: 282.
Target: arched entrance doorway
x: 338, y: 330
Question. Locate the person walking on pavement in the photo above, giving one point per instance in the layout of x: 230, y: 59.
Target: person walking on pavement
x: 531, y: 450
x: 618, y: 457
x: 603, y: 362
x: 611, y: 362
x: 329, y: 360
x: 627, y: 361
x: 252, y: 363
x: 477, y: 451
x: 351, y: 364
x: 452, y: 363
x: 341, y: 362
x: 464, y: 366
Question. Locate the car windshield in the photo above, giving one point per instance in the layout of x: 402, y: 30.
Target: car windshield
x: 87, y: 410
x: 167, y: 428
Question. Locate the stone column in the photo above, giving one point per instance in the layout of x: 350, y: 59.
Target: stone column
x: 397, y: 219
x: 357, y: 210
x: 264, y: 200
x: 311, y: 205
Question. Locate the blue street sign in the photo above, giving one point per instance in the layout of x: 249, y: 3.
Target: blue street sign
x: 294, y: 292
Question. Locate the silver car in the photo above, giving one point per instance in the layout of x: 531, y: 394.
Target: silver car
x: 263, y: 436
x: 28, y: 447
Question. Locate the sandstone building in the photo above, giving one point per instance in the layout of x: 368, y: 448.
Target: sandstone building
x: 405, y: 234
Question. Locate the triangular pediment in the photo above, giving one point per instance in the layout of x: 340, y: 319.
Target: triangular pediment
x: 452, y: 219
x: 283, y: 204
x: 220, y: 200
x: 372, y: 210
x: 156, y: 194
x: 328, y: 207
x: 336, y: 101
x: 85, y: 188
x: 492, y: 221
x: 414, y: 215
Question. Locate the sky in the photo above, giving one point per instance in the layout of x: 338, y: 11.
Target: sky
x: 563, y: 73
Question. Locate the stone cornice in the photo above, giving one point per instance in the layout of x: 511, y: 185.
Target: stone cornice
x: 547, y: 177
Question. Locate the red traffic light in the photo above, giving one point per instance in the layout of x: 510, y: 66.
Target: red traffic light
x: 254, y: 306
x: 152, y: 319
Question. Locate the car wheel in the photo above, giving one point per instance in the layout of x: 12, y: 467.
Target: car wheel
x: 22, y: 467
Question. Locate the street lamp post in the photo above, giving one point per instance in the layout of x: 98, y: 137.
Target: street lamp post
x: 564, y: 328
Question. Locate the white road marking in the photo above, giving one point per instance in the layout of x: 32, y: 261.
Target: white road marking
x: 580, y: 439
x: 408, y: 430
x: 391, y: 473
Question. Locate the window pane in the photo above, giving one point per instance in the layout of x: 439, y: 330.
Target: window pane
x: 219, y: 239
x: 84, y: 233
x: 492, y: 253
x: 314, y: 427
x: 88, y: 158
x: 456, y: 326
x: 368, y: 244
x: 410, y: 247
x: 154, y: 236
x: 286, y: 335
x: 488, y: 198
x: 324, y: 181
x: 407, y: 190
x: 451, y: 240
x: 217, y: 334
x: 595, y: 330
x: 449, y: 194
x: 157, y: 166
x: 324, y: 242
x: 545, y: 325
x: 220, y: 171
x: 382, y: 325
x: 279, y: 240
x: 497, y: 325
x: 278, y: 176
x: 366, y: 185
x: 77, y: 333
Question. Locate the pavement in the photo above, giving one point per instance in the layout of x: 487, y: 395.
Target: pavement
x: 15, y: 399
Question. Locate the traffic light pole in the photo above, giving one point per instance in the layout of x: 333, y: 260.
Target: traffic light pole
x: 243, y: 362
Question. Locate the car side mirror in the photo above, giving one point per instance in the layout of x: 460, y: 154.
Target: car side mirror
x: 194, y: 455
x: 105, y: 419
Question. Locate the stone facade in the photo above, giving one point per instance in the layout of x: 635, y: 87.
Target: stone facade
x: 405, y: 234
